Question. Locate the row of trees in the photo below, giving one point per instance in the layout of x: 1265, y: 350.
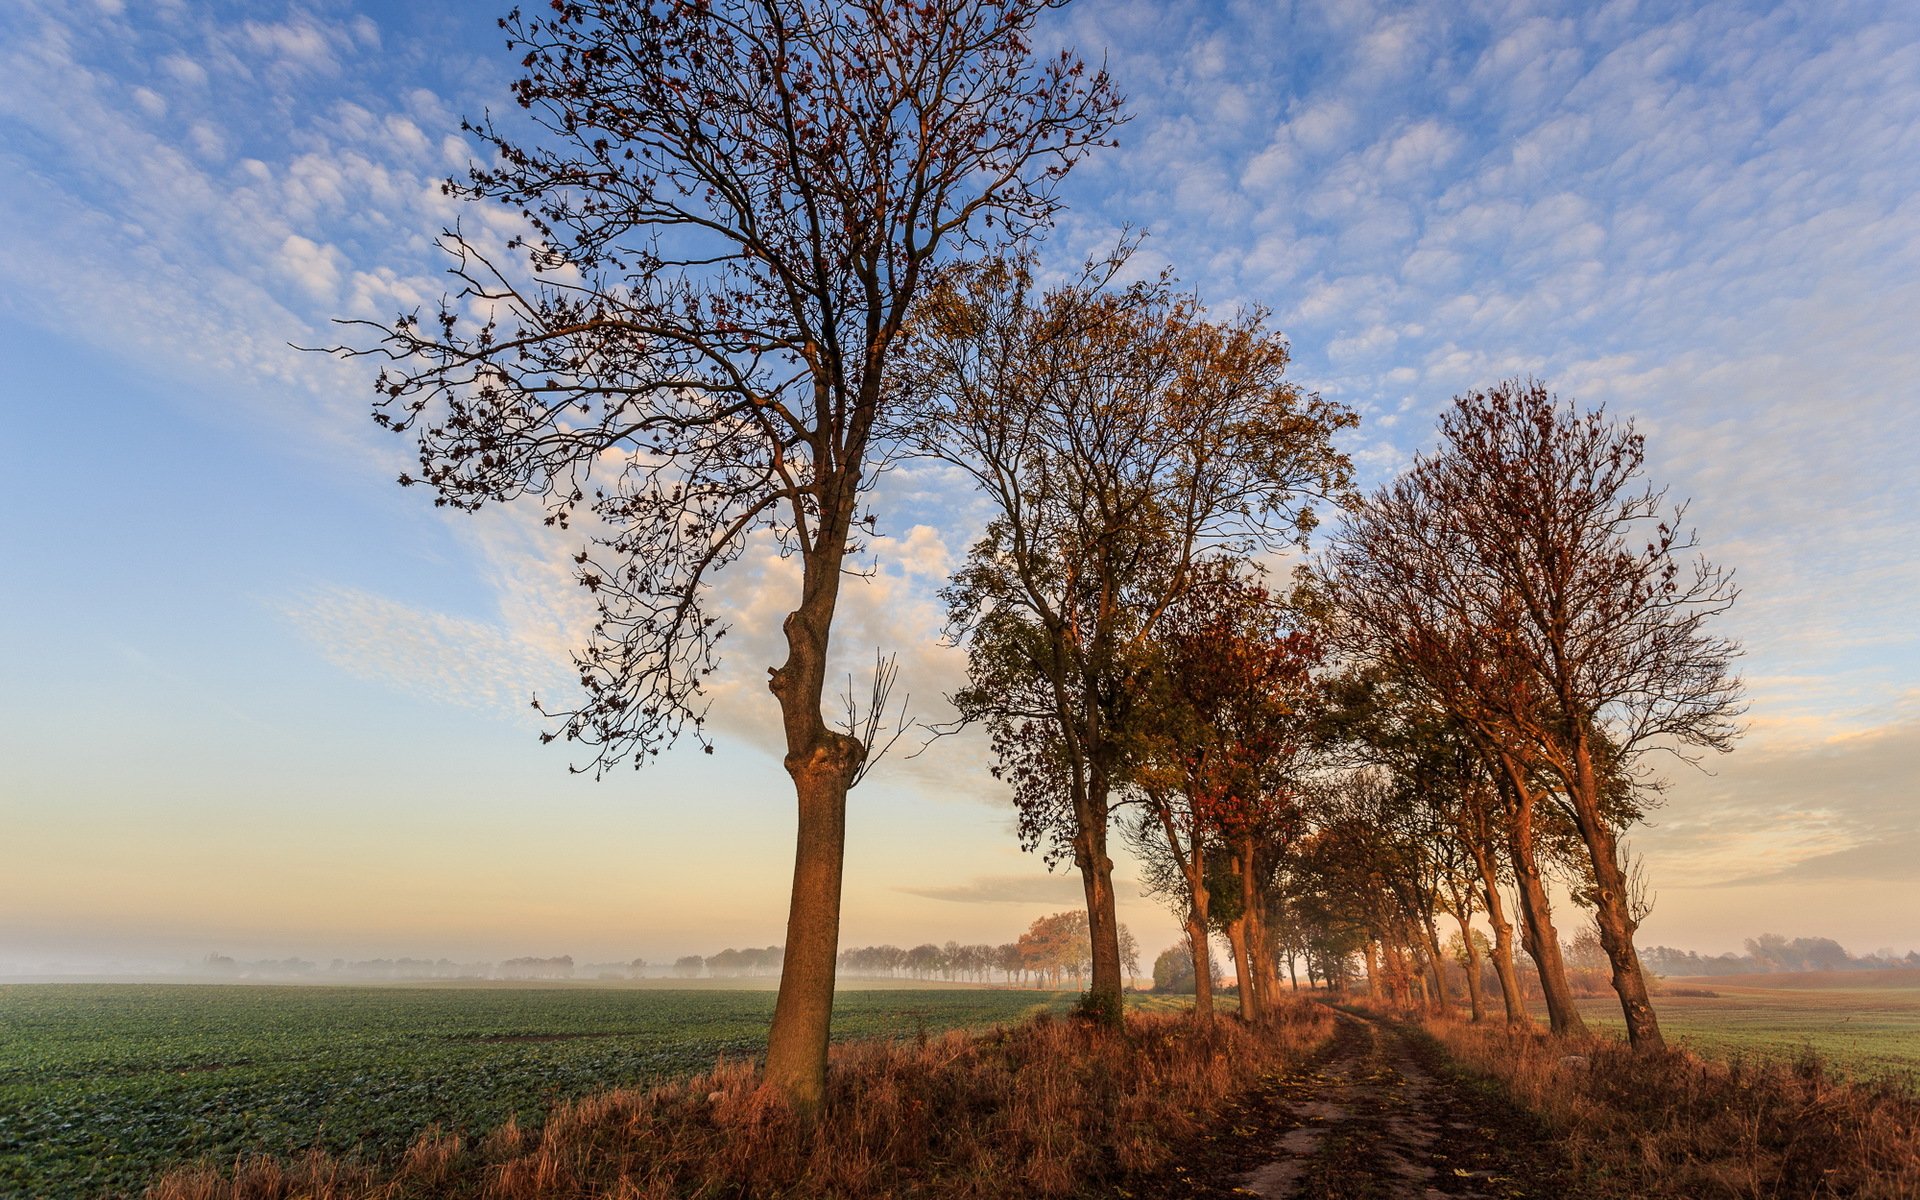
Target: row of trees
x: 1460, y: 695
x: 773, y: 245
x: 1053, y: 950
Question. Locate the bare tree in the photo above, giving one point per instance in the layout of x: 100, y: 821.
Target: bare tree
x: 733, y: 208
x: 1119, y: 436
x: 1535, y: 584
x: 1580, y: 566
x: 1399, y: 579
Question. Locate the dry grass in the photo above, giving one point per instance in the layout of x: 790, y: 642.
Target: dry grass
x: 1047, y: 1108
x: 1671, y: 1124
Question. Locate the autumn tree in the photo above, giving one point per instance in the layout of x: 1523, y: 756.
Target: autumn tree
x: 1589, y: 613
x: 1119, y: 436
x: 1606, y: 606
x: 1394, y: 575
x: 731, y: 209
x: 1231, y: 700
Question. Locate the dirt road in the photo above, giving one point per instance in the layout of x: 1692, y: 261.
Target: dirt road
x: 1377, y: 1116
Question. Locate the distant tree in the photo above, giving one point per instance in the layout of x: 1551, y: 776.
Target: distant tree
x: 1055, y: 947
x: 1129, y: 956
x: 733, y: 208
x: 923, y: 960
x: 1006, y: 957
x: 689, y: 966
x: 1585, y: 953
x: 1173, y: 971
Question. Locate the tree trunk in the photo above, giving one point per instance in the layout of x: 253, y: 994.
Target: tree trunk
x: 1242, y: 974
x: 1373, y: 971
x: 1193, y: 865
x: 1536, y: 913
x: 1250, y: 998
x: 1510, y: 993
x: 1612, y: 906
x: 1437, y: 963
x: 1259, y: 965
x: 1473, y: 969
x: 822, y: 763
x: 1103, y: 999
x: 1202, y: 966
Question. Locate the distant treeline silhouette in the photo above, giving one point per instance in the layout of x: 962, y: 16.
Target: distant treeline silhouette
x: 528, y: 967
x: 1771, y: 953
x: 1054, y: 951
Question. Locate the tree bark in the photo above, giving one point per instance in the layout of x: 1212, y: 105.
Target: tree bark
x: 1193, y: 865
x: 822, y: 763
x: 1202, y: 967
x: 1250, y: 998
x: 1536, y: 912
x: 1104, y: 991
x: 1510, y: 994
x: 1612, y: 906
x: 1473, y: 969
x: 1237, y: 945
x: 1436, y: 963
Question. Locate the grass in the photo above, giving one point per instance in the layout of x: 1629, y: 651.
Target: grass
x: 102, y: 1085
x: 1869, y: 1032
x: 1049, y: 1107
x: 1671, y: 1124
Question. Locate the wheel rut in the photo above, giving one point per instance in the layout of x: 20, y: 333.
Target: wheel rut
x: 1378, y: 1115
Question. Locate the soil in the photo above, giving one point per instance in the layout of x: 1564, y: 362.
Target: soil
x: 1380, y: 1114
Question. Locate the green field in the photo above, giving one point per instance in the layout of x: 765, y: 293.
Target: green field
x: 100, y: 1084
x: 1864, y: 1031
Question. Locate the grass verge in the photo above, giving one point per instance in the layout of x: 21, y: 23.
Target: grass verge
x: 1671, y: 1124
x: 1047, y: 1108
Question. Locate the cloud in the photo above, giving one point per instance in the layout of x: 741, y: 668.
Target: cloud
x: 1838, y: 808
x: 1063, y: 889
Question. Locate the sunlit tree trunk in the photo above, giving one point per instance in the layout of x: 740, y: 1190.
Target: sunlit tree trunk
x: 1612, y: 905
x: 1510, y: 994
x: 822, y: 763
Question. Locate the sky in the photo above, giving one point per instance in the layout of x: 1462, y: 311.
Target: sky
x: 259, y: 701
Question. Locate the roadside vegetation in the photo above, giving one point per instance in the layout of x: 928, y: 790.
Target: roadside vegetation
x: 1049, y: 1107
x: 1671, y: 1123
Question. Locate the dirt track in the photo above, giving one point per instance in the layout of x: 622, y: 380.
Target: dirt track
x: 1377, y: 1115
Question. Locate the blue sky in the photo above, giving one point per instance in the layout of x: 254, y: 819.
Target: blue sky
x: 260, y: 700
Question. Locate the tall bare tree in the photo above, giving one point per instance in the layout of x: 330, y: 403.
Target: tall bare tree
x: 1119, y: 437
x: 1602, y: 606
x: 732, y: 208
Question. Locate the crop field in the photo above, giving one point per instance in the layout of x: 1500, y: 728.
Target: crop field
x: 1863, y: 1031
x: 100, y: 1084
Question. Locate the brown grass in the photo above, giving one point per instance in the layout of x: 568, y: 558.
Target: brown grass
x: 1671, y: 1124
x: 1047, y: 1108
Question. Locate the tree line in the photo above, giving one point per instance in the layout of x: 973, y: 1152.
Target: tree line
x: 771, y: 247
x: 1053, y: 952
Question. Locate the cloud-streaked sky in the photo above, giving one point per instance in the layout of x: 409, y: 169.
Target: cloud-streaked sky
x: 258, y: 700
